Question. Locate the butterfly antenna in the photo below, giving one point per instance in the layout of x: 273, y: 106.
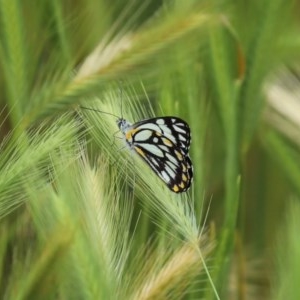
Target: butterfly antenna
x: 121, y: 96
x: 100, y: 111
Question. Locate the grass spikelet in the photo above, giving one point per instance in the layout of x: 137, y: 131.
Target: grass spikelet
x: 20, y: 163
x: 101, y: 224
x: 125, y: 54
x: 128, y: 51
x: 163, y: 278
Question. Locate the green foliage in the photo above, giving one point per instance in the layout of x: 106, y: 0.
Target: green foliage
x: 83, y: 219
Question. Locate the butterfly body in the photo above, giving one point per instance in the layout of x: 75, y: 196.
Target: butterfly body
x: 163, y: 143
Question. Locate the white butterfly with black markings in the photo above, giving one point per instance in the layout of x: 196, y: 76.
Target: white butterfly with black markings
x: 163, y: 143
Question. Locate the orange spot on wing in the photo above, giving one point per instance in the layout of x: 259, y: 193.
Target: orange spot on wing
x: 139, y: 151
x: 130, y: 133
x: 175, y: 188
x: 167, y: 142
x: 179, y: 155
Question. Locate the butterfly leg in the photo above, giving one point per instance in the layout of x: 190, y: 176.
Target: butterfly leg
x: 131, y: 172
x: 115, y: 137
x: 120, y: 149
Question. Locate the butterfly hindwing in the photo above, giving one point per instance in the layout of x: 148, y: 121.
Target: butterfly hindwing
x: 177, y: 176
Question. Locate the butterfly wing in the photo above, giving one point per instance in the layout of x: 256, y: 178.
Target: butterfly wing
x: 172, y: 128
x: 164, y: 143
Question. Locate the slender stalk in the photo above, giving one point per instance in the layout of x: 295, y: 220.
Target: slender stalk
x: 227, y: 101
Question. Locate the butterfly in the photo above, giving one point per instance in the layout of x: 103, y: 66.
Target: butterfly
x: 163, y: 143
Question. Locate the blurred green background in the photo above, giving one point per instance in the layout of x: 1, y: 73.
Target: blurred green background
x: 82, y: 219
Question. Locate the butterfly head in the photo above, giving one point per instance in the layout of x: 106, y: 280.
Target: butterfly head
x: 123, y: 124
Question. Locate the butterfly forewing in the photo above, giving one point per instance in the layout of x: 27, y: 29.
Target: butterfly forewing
x: 173, y: 128
x: 164, y: 144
